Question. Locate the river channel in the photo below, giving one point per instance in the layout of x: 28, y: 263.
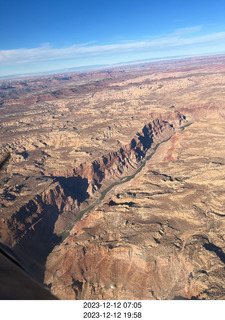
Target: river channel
x: 65, y: 234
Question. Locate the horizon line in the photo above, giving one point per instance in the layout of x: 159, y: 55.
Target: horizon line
x: 104, y: 66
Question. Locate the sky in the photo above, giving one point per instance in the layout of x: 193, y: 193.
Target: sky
x: 46, y: 35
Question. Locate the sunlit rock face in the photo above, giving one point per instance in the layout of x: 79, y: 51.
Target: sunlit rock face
x: 112, y: 182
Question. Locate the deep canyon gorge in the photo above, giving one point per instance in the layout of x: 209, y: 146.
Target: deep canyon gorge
x: 112, y: 181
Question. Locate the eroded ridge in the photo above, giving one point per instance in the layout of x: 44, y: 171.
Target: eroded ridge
x: 36, y: 226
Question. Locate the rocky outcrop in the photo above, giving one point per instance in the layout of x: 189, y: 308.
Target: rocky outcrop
x: 116, y: 272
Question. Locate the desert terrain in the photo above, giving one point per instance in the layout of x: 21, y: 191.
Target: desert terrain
x: 112, y: 180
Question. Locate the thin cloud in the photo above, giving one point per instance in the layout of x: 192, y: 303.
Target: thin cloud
x: 46, y: 53
x: 188, y: 30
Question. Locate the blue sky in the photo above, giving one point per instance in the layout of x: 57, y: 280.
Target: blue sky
x: 37, y: 35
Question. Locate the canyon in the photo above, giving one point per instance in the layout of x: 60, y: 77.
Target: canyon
x: 112, y: 181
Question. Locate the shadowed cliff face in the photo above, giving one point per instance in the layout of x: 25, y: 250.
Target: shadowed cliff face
x: 74, y: 187
x: 114, y: 164
x: 34, y: 229
x: 3, y: 159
